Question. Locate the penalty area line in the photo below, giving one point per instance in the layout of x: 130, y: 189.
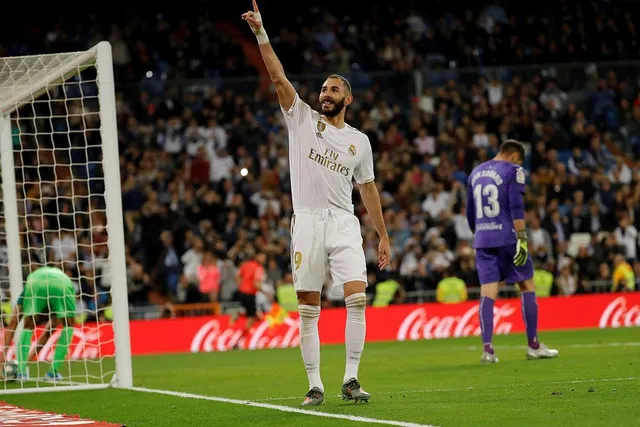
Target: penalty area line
x: 280, y: 408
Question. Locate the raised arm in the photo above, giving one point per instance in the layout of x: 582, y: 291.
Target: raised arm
x: 284, y: 88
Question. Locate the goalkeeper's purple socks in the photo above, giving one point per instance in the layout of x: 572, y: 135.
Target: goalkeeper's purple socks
x: 486, y: 323
x: 530, y: 317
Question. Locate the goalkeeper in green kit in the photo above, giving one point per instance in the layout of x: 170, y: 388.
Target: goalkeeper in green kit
x: 47, y: 289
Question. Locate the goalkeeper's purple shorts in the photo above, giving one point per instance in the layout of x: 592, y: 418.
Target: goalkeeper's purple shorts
x: 496, y: 265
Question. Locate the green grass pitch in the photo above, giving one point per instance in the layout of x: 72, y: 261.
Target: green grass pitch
x: 594, y: 382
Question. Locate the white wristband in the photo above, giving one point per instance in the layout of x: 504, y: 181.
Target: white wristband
x: 262, y: 36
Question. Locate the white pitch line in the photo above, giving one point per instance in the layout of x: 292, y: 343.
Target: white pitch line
x: 471, y: 387
x: 279, y: 408
x: 606, y: 344
x: 596, y: 380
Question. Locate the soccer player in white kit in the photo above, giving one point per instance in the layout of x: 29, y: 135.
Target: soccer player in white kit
x: 325, y: 155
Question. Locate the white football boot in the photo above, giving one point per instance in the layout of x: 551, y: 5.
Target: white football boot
x: 488, y: 358
x: 542, y: 352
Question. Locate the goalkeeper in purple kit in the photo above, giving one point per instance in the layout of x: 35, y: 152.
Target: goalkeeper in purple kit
x: 495, y: 211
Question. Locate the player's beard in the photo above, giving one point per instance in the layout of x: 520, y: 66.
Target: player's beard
x: 337, y: 106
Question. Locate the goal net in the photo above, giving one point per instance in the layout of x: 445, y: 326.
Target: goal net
x: 61, y: 207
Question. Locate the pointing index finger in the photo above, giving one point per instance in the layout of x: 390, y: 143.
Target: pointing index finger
x: 255, y: 7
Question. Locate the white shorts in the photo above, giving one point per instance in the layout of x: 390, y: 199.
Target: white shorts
x: 326, y: 238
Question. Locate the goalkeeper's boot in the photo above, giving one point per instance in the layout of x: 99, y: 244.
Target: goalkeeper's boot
x: 53, y: 376
x: 352, y: 390
x: 314, y: 397
x: 488, y: 358
x: 542, y: 352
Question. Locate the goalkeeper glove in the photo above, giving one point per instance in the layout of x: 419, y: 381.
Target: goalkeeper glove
x: 522, y: 250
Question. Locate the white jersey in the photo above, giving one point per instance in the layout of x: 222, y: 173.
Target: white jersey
x: 324, y: 160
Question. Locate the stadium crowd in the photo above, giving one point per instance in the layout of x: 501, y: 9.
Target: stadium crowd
x: 195, y: 44
x: 205, y: 178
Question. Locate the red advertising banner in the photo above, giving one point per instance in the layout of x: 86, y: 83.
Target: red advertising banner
x: 21, y: 417
x: 393, y: 323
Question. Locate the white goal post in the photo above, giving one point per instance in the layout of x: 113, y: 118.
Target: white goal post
x: 61, y: 203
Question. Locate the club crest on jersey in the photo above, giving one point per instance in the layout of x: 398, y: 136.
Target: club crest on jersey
x: 352, y: 150
x: 321, y: 127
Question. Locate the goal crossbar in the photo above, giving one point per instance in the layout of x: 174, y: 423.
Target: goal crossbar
x: 15, y: 93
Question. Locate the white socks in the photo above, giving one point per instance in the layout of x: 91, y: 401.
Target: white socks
x: 354, y: 333
x: 354, y: 338
x: 310, y: 343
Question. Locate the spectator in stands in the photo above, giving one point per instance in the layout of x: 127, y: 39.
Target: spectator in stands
x: 209, y: 276
x: 168, y: 267
x: 286, y: 293
x: 251, y: 275
x: 627, y: 236
x: 389, y: 291
x: 192, y: 258
x: 138, y: 283
x: 543, y: 278
x: 566, y: 282
x: 451, y: 289
x: 623, y: 275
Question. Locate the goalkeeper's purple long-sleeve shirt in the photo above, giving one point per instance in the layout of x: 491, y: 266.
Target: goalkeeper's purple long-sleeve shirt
x: 495, y: 198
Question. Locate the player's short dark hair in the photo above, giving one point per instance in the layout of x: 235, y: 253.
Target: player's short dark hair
x: 346, y: 83
x: 512, y: 146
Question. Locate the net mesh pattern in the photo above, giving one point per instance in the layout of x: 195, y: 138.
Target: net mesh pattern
x: 57, y: 150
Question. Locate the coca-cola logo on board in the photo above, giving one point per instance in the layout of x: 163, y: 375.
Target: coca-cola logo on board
x: 417, y: 324
x: 617, y: 314
x: 85, y: 344
x: 213, y: 337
